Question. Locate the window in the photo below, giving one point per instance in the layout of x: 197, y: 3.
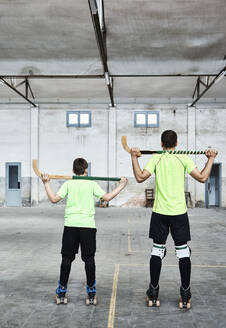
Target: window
x: 78, y: 119
x: 146, y: 119
x: 13, y: 177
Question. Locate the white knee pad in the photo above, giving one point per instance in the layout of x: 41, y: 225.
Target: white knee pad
x: 183, y: 251
x: 159, y: 250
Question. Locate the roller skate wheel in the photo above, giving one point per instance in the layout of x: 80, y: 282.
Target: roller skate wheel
x: 95, y: 301
x: 149, y: 303
x: 87, y: 301
x: 57, y: 300
x: 185, y: 306
x: 65, y: 300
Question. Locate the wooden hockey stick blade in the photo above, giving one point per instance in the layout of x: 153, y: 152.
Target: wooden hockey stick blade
x: 126, y: 147
x: 35, y: 167
x: 74, y: 177
x: 124, y: 144
x: 51, y: 176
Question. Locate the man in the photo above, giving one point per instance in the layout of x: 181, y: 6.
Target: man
x: 169, y: 210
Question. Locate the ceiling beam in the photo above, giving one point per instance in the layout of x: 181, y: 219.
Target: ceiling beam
x: 161, y: 75
x: 101, y: 43
x: 28, y: 88
x: 18, y: 92
x: 33, y: 76
x: 207, y: 85
x: 100, y: 76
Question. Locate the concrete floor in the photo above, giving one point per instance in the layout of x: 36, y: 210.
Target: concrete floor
x: 30, y: 258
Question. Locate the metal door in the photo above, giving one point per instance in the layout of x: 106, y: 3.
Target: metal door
x: 13, y: 180
x: 213, y: 187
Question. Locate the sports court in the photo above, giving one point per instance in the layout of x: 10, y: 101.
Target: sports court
x: 30, y: 258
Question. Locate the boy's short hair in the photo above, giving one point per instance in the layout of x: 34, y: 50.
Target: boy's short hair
x: 169, y: 138
x: 79, y: 166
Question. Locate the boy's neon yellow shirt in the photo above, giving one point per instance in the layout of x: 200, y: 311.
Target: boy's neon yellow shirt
x: 80, y: 210
x: 170, y: 172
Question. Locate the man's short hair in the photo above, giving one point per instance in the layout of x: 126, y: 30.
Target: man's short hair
x: 169, y: 138
x: 79, y: 166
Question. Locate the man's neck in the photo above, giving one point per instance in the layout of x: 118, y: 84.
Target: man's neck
x: 82, y: 175
x: 169, y: 149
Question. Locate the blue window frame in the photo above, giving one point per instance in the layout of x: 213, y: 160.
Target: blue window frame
x: 146, y: 119
x: 78, y: 119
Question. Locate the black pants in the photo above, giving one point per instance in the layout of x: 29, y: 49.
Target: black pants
x: 74, y: 237
x: 160, y: 226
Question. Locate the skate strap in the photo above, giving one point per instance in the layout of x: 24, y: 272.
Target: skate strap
x: 60, y: 290
x: 91, y: 289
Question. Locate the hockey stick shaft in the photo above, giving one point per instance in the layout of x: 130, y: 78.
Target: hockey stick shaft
x: 185, y: 152
x: 70, y: 177
x: 149, y: 152
x: 76, y: 177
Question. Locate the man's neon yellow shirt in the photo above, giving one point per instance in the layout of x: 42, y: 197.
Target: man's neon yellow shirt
x: 170, y: 172
x: 80, y: 209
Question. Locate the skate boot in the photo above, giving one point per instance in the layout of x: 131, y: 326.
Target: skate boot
x: 152, y: 296
x: 185, y: 301
x: 91, y: 295
x: 61, y: 297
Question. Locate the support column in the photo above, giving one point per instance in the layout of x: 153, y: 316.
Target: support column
x: 112, y: 147
x: 191, y: 145
x: 34, y: 153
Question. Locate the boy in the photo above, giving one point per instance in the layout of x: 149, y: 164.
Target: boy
x: 170, y: 211
x: 79, y: 226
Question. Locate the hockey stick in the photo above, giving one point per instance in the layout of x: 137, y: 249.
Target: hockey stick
x: 148, y: 152
x: 70, y: 177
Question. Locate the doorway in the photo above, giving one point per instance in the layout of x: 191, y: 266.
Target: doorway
x: 213, y: 187
x: 13, y: 181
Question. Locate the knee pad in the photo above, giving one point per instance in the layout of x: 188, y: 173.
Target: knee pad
x: 159, y: 250
x: 183, y: 251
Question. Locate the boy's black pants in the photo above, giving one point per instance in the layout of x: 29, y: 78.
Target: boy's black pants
x: 73, y: 237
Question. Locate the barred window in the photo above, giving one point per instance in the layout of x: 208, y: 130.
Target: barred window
x: 78, y: 119
x: 146, y: 119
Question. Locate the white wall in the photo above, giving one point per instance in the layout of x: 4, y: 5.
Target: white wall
x: 58, y: 145
x: 15, y: 145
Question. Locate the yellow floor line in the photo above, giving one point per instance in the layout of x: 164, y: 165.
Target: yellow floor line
x: 111, y: 316
x: 129, y: 237
x: 129, y: 242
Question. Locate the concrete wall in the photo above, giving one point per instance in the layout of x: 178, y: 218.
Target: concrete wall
x: 15, y: 146
x: 210, y: 132
x: 42, y: 133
